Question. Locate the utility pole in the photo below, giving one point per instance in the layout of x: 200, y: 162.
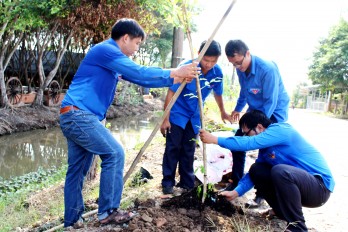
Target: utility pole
x: 178, y: 44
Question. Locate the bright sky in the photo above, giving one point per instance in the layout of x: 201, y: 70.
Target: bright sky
x: 285, y: 31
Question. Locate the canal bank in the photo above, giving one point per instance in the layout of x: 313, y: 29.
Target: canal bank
x: 26, y: 118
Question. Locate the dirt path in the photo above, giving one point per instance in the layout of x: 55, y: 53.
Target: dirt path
x: 146, y: 199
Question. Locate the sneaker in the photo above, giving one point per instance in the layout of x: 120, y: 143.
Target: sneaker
x: 255, y: 203
x: 167, y: 189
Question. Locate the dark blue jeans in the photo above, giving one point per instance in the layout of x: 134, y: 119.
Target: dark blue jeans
x: 238, y: 158
x: 180, y: 149
x: 87, y: 136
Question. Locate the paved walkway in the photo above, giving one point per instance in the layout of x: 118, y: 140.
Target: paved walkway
x: 329, y: 136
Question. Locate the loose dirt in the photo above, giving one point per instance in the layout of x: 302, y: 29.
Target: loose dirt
x: 155, y: 213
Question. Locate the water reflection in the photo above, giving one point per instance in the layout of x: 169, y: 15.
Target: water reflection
x: 25, y: 152
x: 22, y: 153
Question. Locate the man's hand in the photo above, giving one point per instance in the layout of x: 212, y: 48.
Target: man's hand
x: 165, y: 127
x: 226, y: 117
x: 235, y: 116
x: 206, y: 137
x: 229, y: 195
x: 187, y: 71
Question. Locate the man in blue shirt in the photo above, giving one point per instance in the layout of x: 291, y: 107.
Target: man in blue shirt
x: 261, y: 87
x: 182, y: 126
x: 288, y: 172
x: 89, y: 96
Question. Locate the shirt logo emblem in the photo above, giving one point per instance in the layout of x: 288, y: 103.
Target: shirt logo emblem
x: 272, y: 155
x: 255, y: 91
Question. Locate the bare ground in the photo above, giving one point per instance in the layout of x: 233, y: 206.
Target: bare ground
x: 145, y: 199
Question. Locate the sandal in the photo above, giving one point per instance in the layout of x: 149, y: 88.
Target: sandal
x: 118, y: 217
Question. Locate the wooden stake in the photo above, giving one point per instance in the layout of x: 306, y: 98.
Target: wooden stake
x: 175, y: 97
x: 200, y: 102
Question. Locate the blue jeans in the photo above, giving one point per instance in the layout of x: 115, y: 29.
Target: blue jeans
x: 87, y: 136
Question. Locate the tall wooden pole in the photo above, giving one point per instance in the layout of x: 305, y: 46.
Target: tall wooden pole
x: 176, y: 95
x: 200, y: 101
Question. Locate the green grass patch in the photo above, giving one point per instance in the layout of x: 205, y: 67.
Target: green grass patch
x: 212, y: 111
x: 18, y: 207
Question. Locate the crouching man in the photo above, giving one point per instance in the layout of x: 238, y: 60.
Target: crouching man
x: 288, y: 173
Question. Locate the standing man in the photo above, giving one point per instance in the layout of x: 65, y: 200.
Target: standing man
x: 89, y: 96
x: 288, y: 172
x: 182, y: 126
x: 261, y: 87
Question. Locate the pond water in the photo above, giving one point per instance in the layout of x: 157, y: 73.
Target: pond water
x: 25, y: 152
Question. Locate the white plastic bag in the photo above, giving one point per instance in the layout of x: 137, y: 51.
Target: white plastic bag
x: 219, y: 160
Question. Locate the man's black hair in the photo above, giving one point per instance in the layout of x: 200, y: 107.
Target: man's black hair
x: 214, y: 48
x: 234, y: 47
x: 127, y: 26
x: 254, y: 117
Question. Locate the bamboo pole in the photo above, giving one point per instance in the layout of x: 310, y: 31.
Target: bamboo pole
x: 175, y: 97
x: 200, y: 102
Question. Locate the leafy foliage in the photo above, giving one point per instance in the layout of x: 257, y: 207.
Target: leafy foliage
x: 330, y: 61
x: 21, y: 182
x: 297, y: 97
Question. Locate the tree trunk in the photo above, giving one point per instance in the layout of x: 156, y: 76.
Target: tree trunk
x: 39, y: 97
x: 4, y: 99
x: 92, y: 172
x: 178, y: 43
x: 233, y: 76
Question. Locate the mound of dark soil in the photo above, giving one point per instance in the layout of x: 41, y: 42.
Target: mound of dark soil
x: 193, y: 200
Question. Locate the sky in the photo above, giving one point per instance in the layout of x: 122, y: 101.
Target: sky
x: 285, y: 31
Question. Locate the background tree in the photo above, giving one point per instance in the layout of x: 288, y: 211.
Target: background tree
x: 298, y: 96
x: 330, y: 61
x: 16, y: 17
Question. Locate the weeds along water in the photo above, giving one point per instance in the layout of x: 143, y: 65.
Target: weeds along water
x: 15, y: 205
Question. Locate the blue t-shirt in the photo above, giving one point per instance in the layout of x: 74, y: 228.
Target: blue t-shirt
x: 94, y: 84
x: 186, y: 106
x: 280, y: 143
x: 262, y: 89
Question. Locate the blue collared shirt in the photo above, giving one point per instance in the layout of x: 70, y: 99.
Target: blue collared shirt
x: 94, y: 84
x: 186, y: 106
x: 280, y: 143
x: 263, y: 90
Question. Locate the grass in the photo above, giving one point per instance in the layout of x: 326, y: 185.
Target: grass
x: 38, y: 204
x: 241, y: 224
x: 23, y: 208
x: 212, y: 111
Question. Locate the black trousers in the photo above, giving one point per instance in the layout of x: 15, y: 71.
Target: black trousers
x: 286, y: 189
x: 238, y: 158
x: 180, y: 149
